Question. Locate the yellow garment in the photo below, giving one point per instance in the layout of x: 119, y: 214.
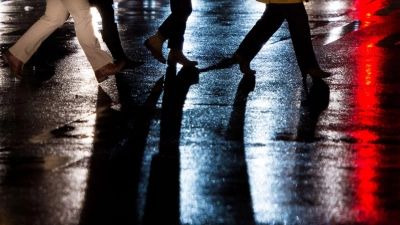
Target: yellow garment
x: 280, y: 1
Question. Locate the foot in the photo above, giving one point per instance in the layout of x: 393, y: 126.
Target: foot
x: 316, y: 73
x: 244, y: 65
x: 107, y: 70
x: 155, y: 44
x: 130, y: 63
x: 176, y: 56
x: 15, y: 65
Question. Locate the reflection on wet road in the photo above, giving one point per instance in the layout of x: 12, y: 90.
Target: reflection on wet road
x: 160, y: 144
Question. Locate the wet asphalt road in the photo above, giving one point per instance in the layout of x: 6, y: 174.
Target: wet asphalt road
x: 165, y: 145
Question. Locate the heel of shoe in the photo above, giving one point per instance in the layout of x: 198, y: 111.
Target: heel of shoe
x: 244, y: 65
x: 245, y: 68
x: 146, y: 44
x: 6, y: 63
x: 304, y: 76
x: 318, y: 73
x: 176, y: 56
x: 171, y: 63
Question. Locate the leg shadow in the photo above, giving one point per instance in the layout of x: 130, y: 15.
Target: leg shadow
x: 305, y: 193
x: 223, y: 64
x: 115, y: 164
x: 237, y: 195
x: 97, y: 204
x: 317, y: 100
x: 163, y: 194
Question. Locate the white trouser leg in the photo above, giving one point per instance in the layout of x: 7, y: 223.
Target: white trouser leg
x: 80, y: 12
x: 57, y: 12
x: 53, y: 18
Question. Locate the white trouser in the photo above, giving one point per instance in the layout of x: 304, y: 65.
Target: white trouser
x: 57, y: 11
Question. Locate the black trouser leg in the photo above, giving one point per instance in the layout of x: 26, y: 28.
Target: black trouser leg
x: 110, y: 33
x: 265, y: 27
x: 174, y: 26
x: 301, y: 37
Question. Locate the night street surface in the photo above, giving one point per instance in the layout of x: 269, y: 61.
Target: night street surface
x: 166, y: 145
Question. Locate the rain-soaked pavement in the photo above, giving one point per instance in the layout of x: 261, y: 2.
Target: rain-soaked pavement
x: 165, y: 145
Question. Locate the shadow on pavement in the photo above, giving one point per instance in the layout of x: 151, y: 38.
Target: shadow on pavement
x: 115, y: 164
x: 163, y: 193
x: 120, y: 141
x: 236, y: 121
x: 317, y: 100
x: 223, y: 64
x: 306, y: 177
x: 238, y: 194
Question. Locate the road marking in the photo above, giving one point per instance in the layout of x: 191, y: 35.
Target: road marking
x: 337, y: 33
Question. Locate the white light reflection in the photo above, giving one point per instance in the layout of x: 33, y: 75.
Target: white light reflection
x: 264, y: 158
x: 255, y: 7
x: 264, y: 185
x: 149, y: 4
x: 149, y: 7
x: 190, y: 199
x: 75, y: 191
x: 335, y: 5
x: 190, y: 44
x: 333, y: 189
x: 338, y: 32
x: 334, y: 35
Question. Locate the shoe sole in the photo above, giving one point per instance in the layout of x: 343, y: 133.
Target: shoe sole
x: 316, y: 77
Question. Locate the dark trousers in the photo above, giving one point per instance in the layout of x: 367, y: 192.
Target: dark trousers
x: 272, y: 18
x: 174, y: 26
x: 110, y: 33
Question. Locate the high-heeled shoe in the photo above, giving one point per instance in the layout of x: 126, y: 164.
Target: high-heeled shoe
x: 316, y: 73
x: 244, y: 65
x: 176, y: 56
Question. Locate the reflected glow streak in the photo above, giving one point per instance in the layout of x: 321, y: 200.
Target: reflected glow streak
x: 366, y: 203
x: 190, y: 199
x: 77, y: 186
x: 334, y: 35
x: 194, y: 204
x: 190, y: 43
x: 264, y: 186
x: 366, y: 9
x: 367, y: 155
x: 263, y: 165
x: 365, y: 186
x: 366, y: 92
x: 335, y: 5
x: 149, y: 4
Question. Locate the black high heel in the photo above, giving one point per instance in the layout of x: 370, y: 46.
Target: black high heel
x: 315, y: 73
x: 244, y: 65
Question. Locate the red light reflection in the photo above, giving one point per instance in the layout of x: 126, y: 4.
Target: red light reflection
x: 366, y: 204
x: 366, y: 115
x: 365, y: 9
